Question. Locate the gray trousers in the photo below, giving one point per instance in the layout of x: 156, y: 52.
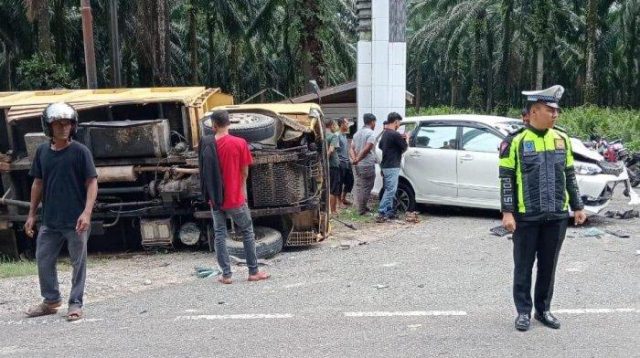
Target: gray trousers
x: 365, y: 177
x: 48, y: 246
x: 242, y: 218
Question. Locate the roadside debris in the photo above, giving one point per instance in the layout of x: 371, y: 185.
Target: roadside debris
x: 204, y: 272
x: 593, y: 232
x: 499, y: 231
x: 412, y: 217
x: 239, y: 262
x: 637, y: 252
x: 619, y: 233
x: 380, y: 287
x: 625, y: 215
x: 350, y: 226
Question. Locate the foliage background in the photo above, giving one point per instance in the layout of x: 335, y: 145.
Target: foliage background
x: 469, y: 55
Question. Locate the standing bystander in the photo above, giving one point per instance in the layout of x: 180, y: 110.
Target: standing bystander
x: 333, y: 144
x: 65, y: 181
x: 364, y: 162
x: 346, y: 173
x: 392, y: 144
x: 234, y: 159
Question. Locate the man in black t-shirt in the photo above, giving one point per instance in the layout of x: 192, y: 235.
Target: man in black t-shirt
x: 65, y: 181
x: 392, y: 144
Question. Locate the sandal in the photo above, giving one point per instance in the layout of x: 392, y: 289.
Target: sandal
x: 225, y: 280
x: 43, y: 309
x: 259, y: 276
x: 74, y: 314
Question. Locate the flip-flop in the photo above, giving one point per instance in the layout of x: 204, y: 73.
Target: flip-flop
x: 43, y: 309
x: 74, y: 314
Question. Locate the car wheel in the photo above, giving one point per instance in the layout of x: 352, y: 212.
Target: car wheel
x: 268, y: 243
x: 253, y: 127
x: 405, y: 199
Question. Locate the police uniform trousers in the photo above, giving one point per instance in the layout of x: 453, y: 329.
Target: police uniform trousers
x: 542, y: 240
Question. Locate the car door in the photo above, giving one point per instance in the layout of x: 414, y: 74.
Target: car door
x: 430, y: 162
x: 478, y: 166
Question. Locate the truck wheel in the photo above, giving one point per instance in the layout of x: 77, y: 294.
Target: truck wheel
x: 268, y: 243
x: 253, y: 127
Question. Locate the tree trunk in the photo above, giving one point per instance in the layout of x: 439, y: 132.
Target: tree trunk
x: 503, y: 76
x: 44, y: 29
x: 489, y: 86
x: 540, y: 67
x: 311, y: 44
x: 541, y: 34
x: 418, y: 86
x: 193, y: 43
x: 210, y: 29
x: 590, y: 95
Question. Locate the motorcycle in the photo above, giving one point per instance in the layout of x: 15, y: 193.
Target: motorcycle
x: 614, y: 152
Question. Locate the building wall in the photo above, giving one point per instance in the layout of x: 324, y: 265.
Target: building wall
x: 382, y: 53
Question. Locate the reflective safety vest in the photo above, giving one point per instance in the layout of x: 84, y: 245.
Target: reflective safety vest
x: 537, y: 178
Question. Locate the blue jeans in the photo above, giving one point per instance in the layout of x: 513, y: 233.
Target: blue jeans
x: 390, y: 180
x: 49, y: 244
x: 242, y: 219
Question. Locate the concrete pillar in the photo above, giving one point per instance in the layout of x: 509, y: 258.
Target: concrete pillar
x: 382, y: 53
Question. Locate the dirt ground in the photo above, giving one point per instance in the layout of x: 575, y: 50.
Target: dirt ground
x: 114, y: 276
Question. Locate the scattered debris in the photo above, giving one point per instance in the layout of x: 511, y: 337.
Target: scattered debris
x: 147, y: 282
x: 221, y: 303
x: 499, y: 231
x: 143, y: 312
x: 392, y: 264
x: 619, y: 233
x: 624, y: 215
x: 380, y: 287
x: 421, y: 285
x: 204, y: 272
x: 412, y: 217
x: 593, y: 232
x: 350, y: 226
x: 637, y: 252
x: 165, y: 264
x: 235, y: 260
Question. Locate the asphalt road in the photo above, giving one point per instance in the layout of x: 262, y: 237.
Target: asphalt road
x: 438, y: 288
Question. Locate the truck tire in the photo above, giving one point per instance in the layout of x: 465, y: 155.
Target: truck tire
x: 253, y: 127
x: 268, y: 243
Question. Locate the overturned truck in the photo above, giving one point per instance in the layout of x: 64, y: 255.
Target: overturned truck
x: 145, y: 147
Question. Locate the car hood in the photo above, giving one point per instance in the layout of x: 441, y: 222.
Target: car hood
x: 581, y: 151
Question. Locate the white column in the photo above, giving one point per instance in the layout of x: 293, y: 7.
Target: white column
x: 381, y: 73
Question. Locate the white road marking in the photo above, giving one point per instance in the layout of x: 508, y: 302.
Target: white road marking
x: 234, y: 317
x: 404, y: 313
x: 596, y: 310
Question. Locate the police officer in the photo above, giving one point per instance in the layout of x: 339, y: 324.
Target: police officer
x: 538, y: 186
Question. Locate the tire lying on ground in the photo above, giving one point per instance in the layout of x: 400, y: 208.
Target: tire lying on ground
x: 253, y: 127
x: 268, y: 243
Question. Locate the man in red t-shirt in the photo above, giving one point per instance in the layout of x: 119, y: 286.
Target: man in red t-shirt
x: 234, y: 159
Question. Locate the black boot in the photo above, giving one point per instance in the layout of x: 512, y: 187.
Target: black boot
x: 523, y: 322
x: 547, y: 319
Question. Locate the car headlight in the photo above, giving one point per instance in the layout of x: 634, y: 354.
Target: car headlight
x: 587, y: 168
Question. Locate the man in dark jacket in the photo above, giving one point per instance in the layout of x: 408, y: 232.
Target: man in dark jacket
x: 537, y: 188
x: 392, y: 144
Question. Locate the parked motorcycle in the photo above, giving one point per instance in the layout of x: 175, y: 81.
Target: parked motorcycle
x: 614, y: 152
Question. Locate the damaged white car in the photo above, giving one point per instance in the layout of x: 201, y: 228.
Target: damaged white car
x: 453, y: 160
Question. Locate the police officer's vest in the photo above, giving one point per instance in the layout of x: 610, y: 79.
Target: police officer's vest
x: 537, y: 175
